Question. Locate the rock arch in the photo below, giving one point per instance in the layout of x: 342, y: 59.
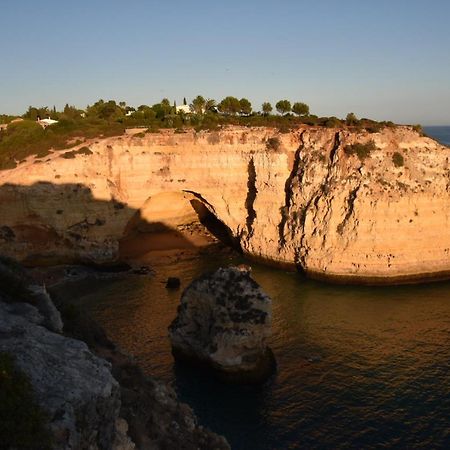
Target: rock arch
x: 172, y: 220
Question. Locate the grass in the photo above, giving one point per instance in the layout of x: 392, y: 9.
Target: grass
x: 23, y: 425
x: 26, y: 138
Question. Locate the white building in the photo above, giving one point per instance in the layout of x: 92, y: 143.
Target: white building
x: 184, y: 109
x: 44, y: 123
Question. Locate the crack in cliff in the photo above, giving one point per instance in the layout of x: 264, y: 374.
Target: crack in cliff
x: 350, y: 208
x: 251, y: 197
x: 322, y: 191
x: 288, y: 192
x: 336, y: 144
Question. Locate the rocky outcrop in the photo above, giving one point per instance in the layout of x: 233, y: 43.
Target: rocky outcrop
x: 91, y: 395
x: 223, y: 323
x: 75, y: 388
x: 306, y: 203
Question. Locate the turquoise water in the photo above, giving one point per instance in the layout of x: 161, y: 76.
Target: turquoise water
x: 440, y: 133
x: 358, y: 367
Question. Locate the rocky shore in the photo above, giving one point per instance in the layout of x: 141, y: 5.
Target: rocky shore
x: 92, y: 396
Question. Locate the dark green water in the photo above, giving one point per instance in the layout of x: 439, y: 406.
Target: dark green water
x: 358, y: 367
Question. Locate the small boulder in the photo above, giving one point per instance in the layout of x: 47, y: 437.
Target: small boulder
x: 223, y: 323
x: 173, y: 283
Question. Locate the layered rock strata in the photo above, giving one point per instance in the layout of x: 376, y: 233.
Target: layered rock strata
x: 298, y: 199
x: 223, y: 323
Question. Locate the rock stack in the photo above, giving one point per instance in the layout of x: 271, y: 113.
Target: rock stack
x: 223, y: 323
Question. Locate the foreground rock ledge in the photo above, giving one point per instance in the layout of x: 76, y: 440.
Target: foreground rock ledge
x: 223, y: 323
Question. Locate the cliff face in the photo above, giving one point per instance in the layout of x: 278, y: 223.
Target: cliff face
x: 296, y: 199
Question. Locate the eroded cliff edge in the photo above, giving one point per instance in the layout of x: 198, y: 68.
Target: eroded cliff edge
x: 297, y: 199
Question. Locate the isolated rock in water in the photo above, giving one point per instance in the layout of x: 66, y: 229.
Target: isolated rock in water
x: 224, y: 322
x: 173, y: 283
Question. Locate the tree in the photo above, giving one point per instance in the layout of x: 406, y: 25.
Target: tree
x: 162, y: 109
x: 283, y: 106
x: 184, y: 101
x: 351, y: 119
x: 230, y: 105
x: 165, y: 103
x: 301, y: 109
x: 35, y: 113
x: 198, y: 105
x: 266, y: 108
x: 70, y: 112
x: 245, y: 106
x: 210, y: 105
x: 105, y: 110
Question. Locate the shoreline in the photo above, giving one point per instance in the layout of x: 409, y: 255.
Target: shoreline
x: 353, y: 280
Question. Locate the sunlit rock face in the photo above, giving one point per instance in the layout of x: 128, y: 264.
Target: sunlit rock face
x: 303, y: 203
x: 223, y: 323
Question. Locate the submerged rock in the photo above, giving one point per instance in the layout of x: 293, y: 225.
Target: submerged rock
x: 223, y: 323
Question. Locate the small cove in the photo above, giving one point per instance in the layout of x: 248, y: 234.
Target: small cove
x: 358, y: 367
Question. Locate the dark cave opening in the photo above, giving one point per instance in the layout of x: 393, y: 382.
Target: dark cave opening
x: 214, y: 225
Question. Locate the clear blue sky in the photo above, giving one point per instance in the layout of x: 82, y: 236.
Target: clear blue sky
x: 381, y: 59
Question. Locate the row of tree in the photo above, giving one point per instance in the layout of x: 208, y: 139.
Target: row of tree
x: 232, y: 105
x: 110, y: 110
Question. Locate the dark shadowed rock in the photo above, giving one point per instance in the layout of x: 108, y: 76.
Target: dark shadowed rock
x: 74, y: 387
x: 223, y: 323
x: 173, y: 283
x: 142, y: 270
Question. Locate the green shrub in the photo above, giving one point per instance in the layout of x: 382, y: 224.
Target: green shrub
x: 397, y: 159
x: 361, y: 150
x: 331, y: 122
x: 81, y: 151
x: 273, y: 144
x: 23, y: 425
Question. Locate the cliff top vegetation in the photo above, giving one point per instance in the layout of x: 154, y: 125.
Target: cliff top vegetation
x: 24, y: 136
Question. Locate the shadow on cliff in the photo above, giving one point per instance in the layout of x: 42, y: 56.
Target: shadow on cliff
x: 47, y: 224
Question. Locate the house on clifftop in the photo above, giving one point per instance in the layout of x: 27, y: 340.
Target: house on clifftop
x: 44, y: 123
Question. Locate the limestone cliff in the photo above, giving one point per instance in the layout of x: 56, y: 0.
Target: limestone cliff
x: 297, y: 199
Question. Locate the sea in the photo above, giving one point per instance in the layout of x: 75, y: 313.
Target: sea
x: 357, y: 367
x: 440, y: 133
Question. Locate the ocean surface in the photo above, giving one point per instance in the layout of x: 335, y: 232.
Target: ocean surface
x: 440, y: 133
x: 358, y: 367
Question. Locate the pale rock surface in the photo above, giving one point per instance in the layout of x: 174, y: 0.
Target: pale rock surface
x: 73, y: 386
x: 307, y: 205
x: 224, y: 322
